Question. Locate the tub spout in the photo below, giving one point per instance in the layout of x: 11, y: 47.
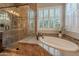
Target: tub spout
x: 39, y: 35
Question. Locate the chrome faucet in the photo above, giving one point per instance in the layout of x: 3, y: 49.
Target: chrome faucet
x: 39, y: 35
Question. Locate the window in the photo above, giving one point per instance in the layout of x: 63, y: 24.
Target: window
x: 31, y: 20
x: 71, y: 20
x: 40, y: 19
x: 49, y: 18
x: 46, y: 19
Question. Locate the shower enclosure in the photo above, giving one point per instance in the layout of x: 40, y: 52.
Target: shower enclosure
x: 13, y: 25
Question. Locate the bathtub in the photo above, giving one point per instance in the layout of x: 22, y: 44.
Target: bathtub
x: 53, y: 45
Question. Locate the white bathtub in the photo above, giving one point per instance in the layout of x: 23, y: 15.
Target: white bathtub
x: 53, y: 45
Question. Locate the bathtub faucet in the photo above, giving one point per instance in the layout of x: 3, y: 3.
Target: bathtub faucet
x: 39, y: 35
